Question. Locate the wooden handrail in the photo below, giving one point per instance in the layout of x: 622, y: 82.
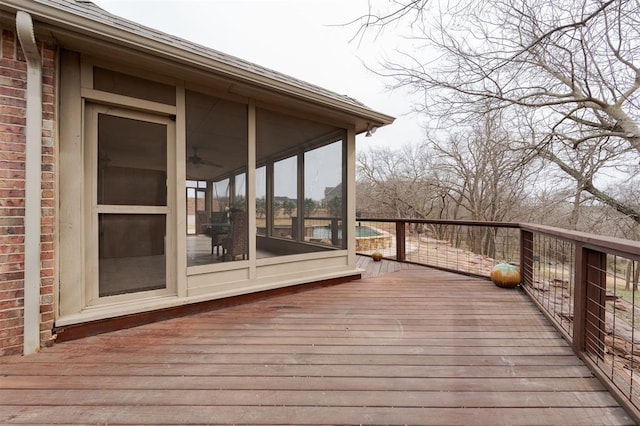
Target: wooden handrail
x: 610, y: 244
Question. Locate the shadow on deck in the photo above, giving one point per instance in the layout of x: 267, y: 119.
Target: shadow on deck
x: 416, y: 346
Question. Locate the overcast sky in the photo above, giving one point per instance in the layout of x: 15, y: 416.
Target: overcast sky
x: 301, y: 38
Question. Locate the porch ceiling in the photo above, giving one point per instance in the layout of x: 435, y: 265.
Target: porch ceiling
x: 217, y: 133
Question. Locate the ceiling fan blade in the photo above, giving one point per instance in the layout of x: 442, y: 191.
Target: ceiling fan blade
x: 211, y: 163
x: 195, y: 159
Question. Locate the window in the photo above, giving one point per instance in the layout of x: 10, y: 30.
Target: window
x: 285, y: 198
x: 324, y: 195
x: 261, y: 201
x: 300, y: 192
x: 216, y: 152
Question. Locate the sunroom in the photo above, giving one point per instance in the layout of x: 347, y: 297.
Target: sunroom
x: 187, y: 175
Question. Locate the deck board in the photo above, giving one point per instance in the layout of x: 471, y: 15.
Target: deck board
x: 413, y: 346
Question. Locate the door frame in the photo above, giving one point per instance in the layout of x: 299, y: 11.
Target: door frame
x: 93, y: 210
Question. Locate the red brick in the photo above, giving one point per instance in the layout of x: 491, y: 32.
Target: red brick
x: 7, y: 268
x: 11, y: 184
x: 49, y: 53
x: 47, y: 338
x: 11, y: 342
x: 9, y: 75
x: 11, y: 322
x: 46, y: 255
x: 11, y: 249
x: 11, y: 304
x: 16, y: 64
x: 13, y: 120
x: 11, y: 165
x: 8, y: 45
x: 10, y: 350
x: 11, y: 276
x: 14, y: 102
x: 16, y: 293
x: 12, y: 110
x: 11, y: 313
x: 12, y: 193
x: 12, y: 239
x: 11, y: 332
x: 17, y: 155
x: 48, y: 318
x: 11, y: 258
x: 11, y: 285
x: 13, y: 211
x: 12, y: 92
x: 15, y: 147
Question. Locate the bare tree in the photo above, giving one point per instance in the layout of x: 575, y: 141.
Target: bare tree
x: 376, y: 20
x: 489, y: 179
x: 472, y: 174
x: 396, y: 183
x: 567, y: 70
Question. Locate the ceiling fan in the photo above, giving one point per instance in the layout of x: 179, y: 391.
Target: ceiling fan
x: 195, y: 159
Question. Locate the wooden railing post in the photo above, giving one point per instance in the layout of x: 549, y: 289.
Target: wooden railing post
x: 596, y: 293
x: 526, y: 257
x: 294, y: 228
x: 589, y: 300
x: 579, y: 299
x: 400, y: 241
x: 335, y: 231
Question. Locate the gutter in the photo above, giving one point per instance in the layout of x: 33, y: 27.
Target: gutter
x: 32, y: 193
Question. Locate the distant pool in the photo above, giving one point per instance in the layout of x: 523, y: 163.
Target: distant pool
x: 369, y: 239
x: 324, y: 232
x: 366, y: 231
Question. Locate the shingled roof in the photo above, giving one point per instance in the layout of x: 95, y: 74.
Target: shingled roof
x: 54, y: 11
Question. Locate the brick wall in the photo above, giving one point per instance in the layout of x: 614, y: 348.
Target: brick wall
x: 12, y: 156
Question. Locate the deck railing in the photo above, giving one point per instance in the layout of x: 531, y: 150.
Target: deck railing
x: 586, y: 284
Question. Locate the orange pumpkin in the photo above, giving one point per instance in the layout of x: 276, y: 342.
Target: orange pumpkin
x: 505, y: 275
x: 377, y: 256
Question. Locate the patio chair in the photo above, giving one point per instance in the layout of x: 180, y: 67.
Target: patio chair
x: 201, y: 222
x: 218, y: 230
x: 236, y: 244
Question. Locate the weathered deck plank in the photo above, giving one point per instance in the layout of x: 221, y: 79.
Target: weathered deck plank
x: 299, y: 415
x: 382, y: 384
x: 416, y: 346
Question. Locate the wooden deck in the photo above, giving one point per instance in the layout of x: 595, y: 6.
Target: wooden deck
x: 383, y: 267
x: 416, y: 346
